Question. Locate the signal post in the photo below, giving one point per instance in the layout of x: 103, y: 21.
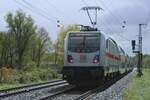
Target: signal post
x: 139, y: 51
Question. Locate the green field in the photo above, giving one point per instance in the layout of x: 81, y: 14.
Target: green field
x: 139, y: 88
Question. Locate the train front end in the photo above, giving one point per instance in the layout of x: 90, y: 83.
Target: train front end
x: 82, y: 61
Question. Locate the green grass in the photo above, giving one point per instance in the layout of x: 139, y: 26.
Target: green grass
x: 139, y: 89
x: 7, y: 85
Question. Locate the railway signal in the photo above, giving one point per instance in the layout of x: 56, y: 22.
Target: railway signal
x: 133, y: 45
x: 139, y: 51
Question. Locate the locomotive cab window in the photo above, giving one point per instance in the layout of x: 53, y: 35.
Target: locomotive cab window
x: 84, y: 43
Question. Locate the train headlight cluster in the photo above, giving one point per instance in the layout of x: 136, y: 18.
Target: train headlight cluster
x: 96, y: 59
x: 70, y: 59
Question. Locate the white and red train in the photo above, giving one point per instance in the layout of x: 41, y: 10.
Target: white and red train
x: 91, y: 57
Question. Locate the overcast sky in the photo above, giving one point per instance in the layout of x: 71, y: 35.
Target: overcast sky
x: 110, y: 20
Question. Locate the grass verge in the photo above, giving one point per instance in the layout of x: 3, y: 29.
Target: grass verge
x: 13, y: 85
x: 139, y: 89
x: 6, y: 86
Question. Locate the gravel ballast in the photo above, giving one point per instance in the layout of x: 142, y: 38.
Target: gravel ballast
x: 116, y: 91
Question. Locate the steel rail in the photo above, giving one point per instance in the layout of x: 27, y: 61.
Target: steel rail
x: 24, y: 89
x: 53, y: 95
x: 28, y: 86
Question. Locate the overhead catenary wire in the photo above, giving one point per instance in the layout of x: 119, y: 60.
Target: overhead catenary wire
x: 123, y: 37
x: 109, y: 11
x: 114, y: 16
x: 34, y: 11
x: 40, y: 10
x: 55, y: 8
x: 59, y: 11
x: 118, y: 15
x: 105, y: 25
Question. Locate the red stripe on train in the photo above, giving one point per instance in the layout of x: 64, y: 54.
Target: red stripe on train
x: 109, y: 55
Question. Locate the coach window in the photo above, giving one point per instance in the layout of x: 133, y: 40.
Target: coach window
x: 107, y: 44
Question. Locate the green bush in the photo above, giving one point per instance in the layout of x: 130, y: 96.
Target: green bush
x: 15, y: 77
x: 47, y: 74
x: 37, y: 74
x: 29, y: 77
x: 32, y: 74
x: 29, y: 67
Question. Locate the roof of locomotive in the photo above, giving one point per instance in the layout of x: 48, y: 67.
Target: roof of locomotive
x: 100, y: 32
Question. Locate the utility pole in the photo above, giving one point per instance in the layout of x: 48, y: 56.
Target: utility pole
x: 139, y: 51
x: 56, y: 46
x: 140, y: 54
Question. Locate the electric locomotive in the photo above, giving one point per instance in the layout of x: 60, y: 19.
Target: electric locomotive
x: 90, y: 57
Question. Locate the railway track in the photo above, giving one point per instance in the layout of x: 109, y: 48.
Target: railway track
x: 72, y: 94
x: 99, y: 89
x: 62, y: 91
x: 24, y: 89
x: 52, y: 95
